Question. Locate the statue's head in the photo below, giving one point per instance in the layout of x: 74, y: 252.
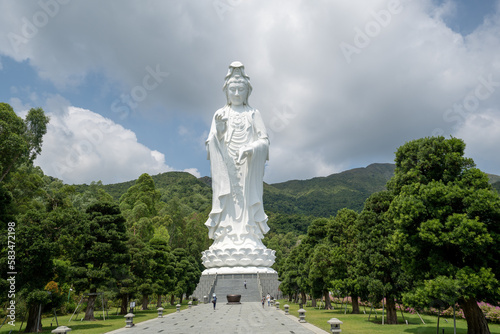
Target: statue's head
x: 236, y: 77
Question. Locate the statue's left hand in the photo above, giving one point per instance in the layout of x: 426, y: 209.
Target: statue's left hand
x: 244, y: 152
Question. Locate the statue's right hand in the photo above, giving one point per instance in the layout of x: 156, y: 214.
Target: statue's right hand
x: 220, y: 121
x: 220, y: 117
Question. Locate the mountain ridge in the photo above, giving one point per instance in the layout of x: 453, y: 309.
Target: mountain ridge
x: 319, y: 196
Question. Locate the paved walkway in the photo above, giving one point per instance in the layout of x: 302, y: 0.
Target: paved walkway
x: 245, y: 318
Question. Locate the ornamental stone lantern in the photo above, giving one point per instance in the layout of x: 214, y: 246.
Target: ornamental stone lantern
x: 160, y: 312
x: 129, y: 320
x: 277, y: 305
x: 302, y: 315
x: 287, y: 309
x: 178, y: 307
x: 61, y: 329
x: 335, y: 325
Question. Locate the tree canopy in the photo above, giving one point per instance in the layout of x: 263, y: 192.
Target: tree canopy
x: 20, y: 140
x: 447, y: 226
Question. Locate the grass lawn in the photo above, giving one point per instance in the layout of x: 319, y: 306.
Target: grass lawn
x: 352, y: 323
x: 91, y: 327
x: 359, y: 323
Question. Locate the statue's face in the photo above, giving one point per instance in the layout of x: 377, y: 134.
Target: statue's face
x: 237, y: 93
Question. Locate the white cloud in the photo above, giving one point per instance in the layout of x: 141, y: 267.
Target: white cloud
x: 481, y: 134
x: 192, y: 171
x: 409, y: 68
x: 82, y: 146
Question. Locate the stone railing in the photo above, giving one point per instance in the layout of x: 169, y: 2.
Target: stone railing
x: 213, y: 287
x: 259, y: 284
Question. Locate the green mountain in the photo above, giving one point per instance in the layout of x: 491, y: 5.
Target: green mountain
x: 319, y: 196
x: 324, y: 196
x: 496, y: 186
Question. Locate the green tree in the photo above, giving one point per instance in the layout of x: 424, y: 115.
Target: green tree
x: 319, y: 261
x: 140, y: 204
x: 20, y: 140
x: 35, y: 252
x: 320, y: 272
x: 197, y: 239
x: 377, y: 266
x: 447, y: 225
x: 294, y: 274
x: 141, y: 264
x: 177, y: 225
x: 163, y: 270
x: 94, y: 193
x: 282, y: 244
x: 289, y: 274
x: 98, y: 250
x: 342, y: 245
x: 187, y: 274
x: 26, y: 184
x: 38, y: 232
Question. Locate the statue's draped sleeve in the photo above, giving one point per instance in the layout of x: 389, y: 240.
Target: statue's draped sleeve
x: 256, y: 173
x: 221, y: 186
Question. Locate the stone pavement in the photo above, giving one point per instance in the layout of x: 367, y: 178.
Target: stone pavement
x: 245, y: 318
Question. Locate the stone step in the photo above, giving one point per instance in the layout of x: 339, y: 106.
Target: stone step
x: 235, y: 286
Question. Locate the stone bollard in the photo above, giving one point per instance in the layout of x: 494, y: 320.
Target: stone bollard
x: 335, y: 325
x: 190, y: 303
x: 178, y: 307
x: 287, y: 309
x: 61, y: 329
x: 277, y: 305
x: 302, y: 315
x: 160, y: 312
x: 129, y: 320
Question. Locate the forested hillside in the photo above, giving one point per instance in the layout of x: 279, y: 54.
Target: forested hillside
x: 324, y: 196
x: 496, y: 186
x: 189, y: 190
x: 318, y: 197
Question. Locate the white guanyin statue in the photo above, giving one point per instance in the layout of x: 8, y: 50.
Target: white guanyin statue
x: 238, y: 148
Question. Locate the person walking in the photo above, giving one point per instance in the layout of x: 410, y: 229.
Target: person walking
x: 214, y: 300
x: 268, y: 297
x: 263, y: 301
x: 245, y: 283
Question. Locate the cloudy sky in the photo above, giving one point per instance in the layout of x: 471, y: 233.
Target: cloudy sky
x: 131, y: 86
